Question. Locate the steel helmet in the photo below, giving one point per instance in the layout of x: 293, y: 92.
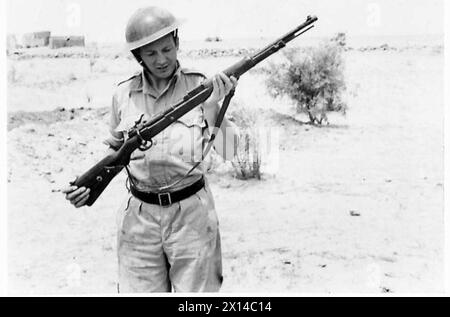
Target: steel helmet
x: 147, y: 25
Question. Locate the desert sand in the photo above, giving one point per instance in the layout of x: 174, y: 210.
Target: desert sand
x: 353, y: 207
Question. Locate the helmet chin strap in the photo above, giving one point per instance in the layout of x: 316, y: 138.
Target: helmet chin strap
x: 140, y: 61
x: 144, y: 66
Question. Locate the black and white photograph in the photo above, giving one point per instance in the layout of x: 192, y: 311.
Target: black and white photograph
x: 288, y: 147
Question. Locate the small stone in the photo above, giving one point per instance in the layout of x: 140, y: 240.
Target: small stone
x: 354, y: 213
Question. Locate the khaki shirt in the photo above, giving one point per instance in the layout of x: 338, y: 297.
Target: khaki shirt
x: 176, y: 149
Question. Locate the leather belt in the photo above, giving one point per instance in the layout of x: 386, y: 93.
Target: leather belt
x: 166, y: 199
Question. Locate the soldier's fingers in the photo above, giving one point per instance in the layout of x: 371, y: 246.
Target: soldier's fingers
x: 72, y: 182
x: 226, y: 81
x: 234, y: 81
x: 74, y: 194
x: 69, y: 189
x: 215, y: 86
x: 223, y: 77
x: 221, y: 87
x: 228, y: 84
x: 81, y: 197
x: 82, y: 202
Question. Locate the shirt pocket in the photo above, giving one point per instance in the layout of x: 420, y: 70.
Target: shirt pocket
x: 193, y: 118
x: 124, y: 127
x: 185, y: 136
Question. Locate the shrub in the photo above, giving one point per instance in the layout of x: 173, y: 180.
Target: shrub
x: 213, y: 39
x: 313, y: 79
x: 247, y: 163
x: 339, y: 39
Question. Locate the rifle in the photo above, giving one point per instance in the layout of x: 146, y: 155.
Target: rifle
x: 100, y: 175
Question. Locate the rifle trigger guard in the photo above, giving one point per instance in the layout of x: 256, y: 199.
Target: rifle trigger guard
x: 145, y: 144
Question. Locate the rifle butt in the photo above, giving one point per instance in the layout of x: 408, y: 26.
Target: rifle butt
x: 98, y: 178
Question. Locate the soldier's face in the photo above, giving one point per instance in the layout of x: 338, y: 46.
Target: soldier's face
x: 161, y: 56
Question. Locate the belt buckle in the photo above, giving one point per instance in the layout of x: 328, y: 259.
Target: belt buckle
x: 164, y: 199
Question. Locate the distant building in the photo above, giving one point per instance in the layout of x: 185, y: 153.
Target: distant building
x: 66, y: 41
x: 36, y: 39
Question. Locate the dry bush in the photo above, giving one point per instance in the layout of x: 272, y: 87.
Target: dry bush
x: 247, y: 163
x: 313, y: 79
x: 213, y: 39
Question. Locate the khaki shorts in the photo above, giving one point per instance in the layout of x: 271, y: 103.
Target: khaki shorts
x: 177, y: 248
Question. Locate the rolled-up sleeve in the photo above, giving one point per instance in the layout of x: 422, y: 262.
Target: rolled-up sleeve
x: 115, y: 139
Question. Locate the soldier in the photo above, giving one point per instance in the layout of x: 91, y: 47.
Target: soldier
x: 168, y: 235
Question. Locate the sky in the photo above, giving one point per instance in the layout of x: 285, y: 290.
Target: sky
x: 105, y: 20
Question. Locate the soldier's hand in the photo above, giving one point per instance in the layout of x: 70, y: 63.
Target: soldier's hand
x: 76, y: 196
x: 222, y: 85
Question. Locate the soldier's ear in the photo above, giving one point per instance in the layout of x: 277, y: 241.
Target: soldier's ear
x: 177, y: 42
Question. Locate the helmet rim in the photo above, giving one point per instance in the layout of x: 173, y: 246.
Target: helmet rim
x: 149, y: 24
x: 131, y: 46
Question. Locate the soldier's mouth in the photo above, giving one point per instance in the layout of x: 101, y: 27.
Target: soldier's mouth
x: 162, y: 69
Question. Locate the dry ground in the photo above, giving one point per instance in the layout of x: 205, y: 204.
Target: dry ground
x: 353, y: 207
